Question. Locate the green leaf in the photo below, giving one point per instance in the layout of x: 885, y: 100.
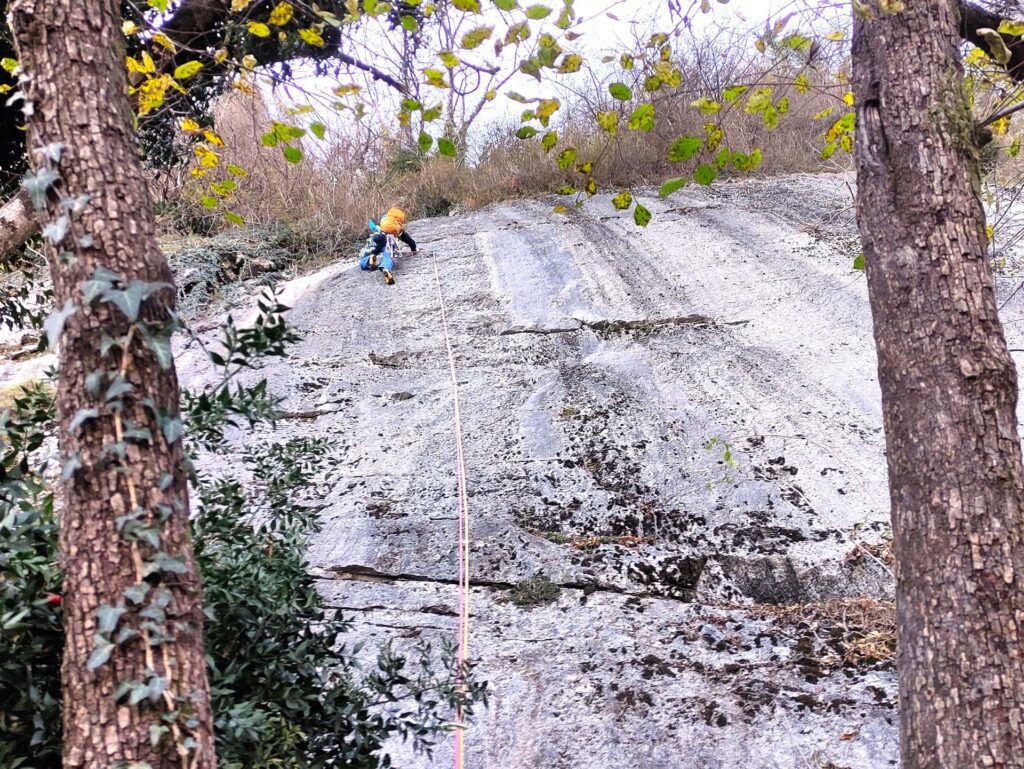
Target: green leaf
x: 526, y: 132
x: 187, y: 70
x: 858, y: 262
x: 100, y: 653
x: 684, y: 148
x: 506, y: 5
x: 425, y: 141
x: 622, y: 201
x: 549, y: 141
x: 642, y: 118
x: 269, y: 139
x: 410, y: 25
x: 571, y: 62
x: 620, y: 91
x: 209, y: 201
x: 446, y: 147
x: 641, y: 215
x: 107, y: 617
x: 705, y: 174
x: 292, y: 154
x: 476, y: 37
x: 319, y: 130
x: 537, y: 12
x: 470, y: 6
x: 671, y: 185
x: 234, y: 219
x: 566, y: 159
x: 609, y: 122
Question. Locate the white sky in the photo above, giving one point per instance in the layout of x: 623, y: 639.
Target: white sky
x: 600, y: 32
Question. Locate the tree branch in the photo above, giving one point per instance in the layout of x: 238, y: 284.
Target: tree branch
x: 17, y: 223
x: 973, y: 18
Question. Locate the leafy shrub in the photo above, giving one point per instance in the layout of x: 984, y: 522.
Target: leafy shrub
x: 286, y: 690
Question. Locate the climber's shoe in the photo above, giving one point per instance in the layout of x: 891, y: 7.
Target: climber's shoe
x: 373, y: 261
x: 388, y: 277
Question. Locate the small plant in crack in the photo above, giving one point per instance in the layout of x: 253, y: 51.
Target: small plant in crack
x: 568, y: 411
x: 535, y: 591
x: 717, y: 445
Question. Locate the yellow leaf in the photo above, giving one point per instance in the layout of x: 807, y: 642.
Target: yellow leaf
x: 129, y: 28
x: 347, y: 90
x: 162, y: 40
x: 239, y: 5
x: 152, y: 93
x: 190, y: 126
x: 281, y: 14
x: 313, y: 37
x: 547, y: 107
x: 213, y: 138
x: 848, y: 98
x: 221, y: 56
x: 838, y: 34
x: 147, y: 63
x: 207, y: 157
x: 199, y: 173
x: 249, y: 61
x: 258, y: 29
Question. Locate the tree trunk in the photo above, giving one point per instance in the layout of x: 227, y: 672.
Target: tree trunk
x: 17, y: 224
x: 130, y: 464
x: 949, y: 395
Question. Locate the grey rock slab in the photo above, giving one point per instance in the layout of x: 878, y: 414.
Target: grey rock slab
x: 671, y: 423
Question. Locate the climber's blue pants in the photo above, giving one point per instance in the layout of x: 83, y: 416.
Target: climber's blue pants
x: 384, y: 259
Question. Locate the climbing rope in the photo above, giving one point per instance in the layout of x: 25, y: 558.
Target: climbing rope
x: 460, y: 473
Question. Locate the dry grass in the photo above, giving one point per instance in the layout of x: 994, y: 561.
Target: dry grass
x: 853, y: 632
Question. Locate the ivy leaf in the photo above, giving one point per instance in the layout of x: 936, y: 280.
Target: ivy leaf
x: 641, y: 215
x: 526, y: 132
x: 292, y: 154
x: 858, y: 262
x: 620, y: 91
x: 102, y: 648
x: 37, y: 185
x: 426, y: 141
x: 81, y: 417
x: 671, y: 185
x: 684, y: 148
x: 410, y: 25
x: 54, y: 324
x: 107, y: 617
x: 537, y: 12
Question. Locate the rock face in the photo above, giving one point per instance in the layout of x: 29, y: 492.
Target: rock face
x: 680, y: 427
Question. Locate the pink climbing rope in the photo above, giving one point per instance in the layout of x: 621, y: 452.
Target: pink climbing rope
x: 460, y: 473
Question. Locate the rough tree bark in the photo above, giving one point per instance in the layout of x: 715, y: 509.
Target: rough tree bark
x: 70, y: 51
x: 949, y: 395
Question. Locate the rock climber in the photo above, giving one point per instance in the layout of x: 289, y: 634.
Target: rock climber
x: 382, y: 246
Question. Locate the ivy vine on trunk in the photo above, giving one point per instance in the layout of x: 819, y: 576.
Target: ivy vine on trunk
x: 135, y: 686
